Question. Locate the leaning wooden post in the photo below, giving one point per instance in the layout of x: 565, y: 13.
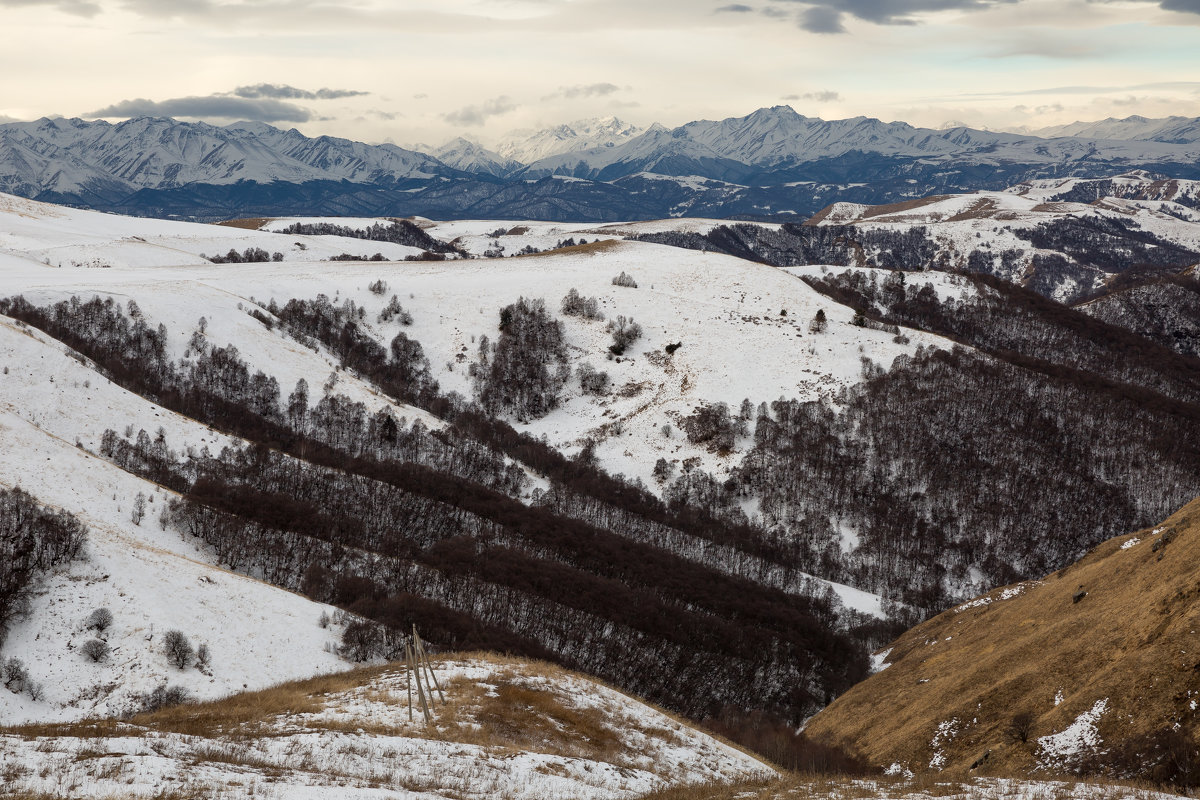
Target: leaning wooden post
x: 421, y: 692
x: 408, y: 656
x: 421, y: 654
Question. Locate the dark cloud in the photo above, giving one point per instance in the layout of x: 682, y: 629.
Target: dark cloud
x: 285, y: 92
x: 81, y: 8
x: 820, y: 19
x: 219, y: 106
x: 477, y: 115
x: 584, y: 90
x: 735, y: 8
x: 828, y: 16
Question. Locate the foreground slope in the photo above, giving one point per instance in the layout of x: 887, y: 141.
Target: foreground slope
x: 508, y: 728
x: 1092, y: 668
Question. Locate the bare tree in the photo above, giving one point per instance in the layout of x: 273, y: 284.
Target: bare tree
x: 100, y: 620
x: 178, y: 649
x: 96, y: 650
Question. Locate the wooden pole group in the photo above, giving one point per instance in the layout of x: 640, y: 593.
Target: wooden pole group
x: 418, y: 661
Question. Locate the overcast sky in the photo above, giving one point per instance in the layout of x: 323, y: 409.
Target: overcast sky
x: 427, y: 70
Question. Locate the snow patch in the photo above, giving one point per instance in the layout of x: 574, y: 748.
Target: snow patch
x: 1059, y: 750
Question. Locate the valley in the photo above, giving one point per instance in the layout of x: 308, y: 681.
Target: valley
x: 719, y: 465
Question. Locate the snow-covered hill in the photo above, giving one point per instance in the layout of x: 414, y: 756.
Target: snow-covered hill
x: 58, y: 236
x: 739, y: 330
x: 1065, y: 238
x: 507, y: 728
x: 53, y: 410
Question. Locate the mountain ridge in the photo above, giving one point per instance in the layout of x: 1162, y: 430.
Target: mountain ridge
x: 772, y: 163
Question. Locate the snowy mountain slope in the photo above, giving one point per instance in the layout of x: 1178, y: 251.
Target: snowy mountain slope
x: 1168, y: 129
x: 769, y: 164
x: 735, y: 342
x: 51, y: 416
x: 658, y: 151
x: 529, y: 146
x: 74, y: 157
x: 1166, y: 311
x: 453, y: 305
x: 746, y: 148
x: 508, y: 728
x: 468, y: 156
x: 1135, y: 185
x: 736, y: 312
x: 1038, y: 234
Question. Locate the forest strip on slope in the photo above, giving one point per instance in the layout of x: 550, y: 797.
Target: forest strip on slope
x: 324, y: 500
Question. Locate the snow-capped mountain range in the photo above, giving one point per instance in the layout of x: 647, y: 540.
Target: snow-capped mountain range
x: 774, y: 162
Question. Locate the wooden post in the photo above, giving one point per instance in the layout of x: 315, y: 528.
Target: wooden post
x: 421, y: 692
x: 421, y: 654
x: 408, y: 676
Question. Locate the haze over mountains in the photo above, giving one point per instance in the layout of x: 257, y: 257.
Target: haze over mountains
x: 769, y: 164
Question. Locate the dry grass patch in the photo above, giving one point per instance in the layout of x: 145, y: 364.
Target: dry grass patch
x: 598, y: 246
x: 1120, y: 625
x: 248, y: 223
x: 921, y: 787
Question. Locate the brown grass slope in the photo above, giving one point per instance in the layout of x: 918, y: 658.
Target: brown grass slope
x: 1133, y: 639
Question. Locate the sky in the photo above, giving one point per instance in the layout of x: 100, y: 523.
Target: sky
x: 425, y: 71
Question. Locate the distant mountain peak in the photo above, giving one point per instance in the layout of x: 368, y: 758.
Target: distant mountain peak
x: 583, y: 134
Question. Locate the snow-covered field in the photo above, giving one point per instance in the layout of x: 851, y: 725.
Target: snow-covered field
x: 507, y: 729
x: 58, y: 236
x: 743, y: 328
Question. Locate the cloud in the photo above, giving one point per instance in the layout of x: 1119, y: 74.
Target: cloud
x: 734, y: 8
x: 828, y: 16
x: 219, y: 106
x: 1183, y: 6
x: 824, y: 96
x: 285, y: 92
x: 80, y: 8
x: 584, y: 90
x: 478, y: 115
x: 821, y: 20
x: 1052, y: 90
